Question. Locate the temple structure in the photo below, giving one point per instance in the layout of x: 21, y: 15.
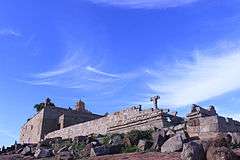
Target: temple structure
x: 52, y: 122
x: 52, y: 118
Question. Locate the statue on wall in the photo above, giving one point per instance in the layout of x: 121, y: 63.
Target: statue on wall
x: 48, y: 103
x: 155, y: 101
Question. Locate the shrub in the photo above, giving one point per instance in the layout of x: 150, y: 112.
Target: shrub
x: 78, y: 146
x: 135, y: 135
x: 130, y: 149
x: 106, y: 140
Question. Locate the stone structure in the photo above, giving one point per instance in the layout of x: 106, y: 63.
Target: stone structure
x: 120, y: 122
x: 54, y: 122
x: 206, y: 123
x: 53, y: 118
x: 155, y: 101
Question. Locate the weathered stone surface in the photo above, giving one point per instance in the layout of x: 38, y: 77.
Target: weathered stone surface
x: 170, y: 133
x: 205, y: 144
x: 142, y: 145
x: 235, y: 138
x: 219, y: 149
x: 173, y: 144
x: 158, y: 138
x: 192, y: 151
x: 42, y: 153
x: 26, y: 151
x: 180, y: 127
x: 183, y: 134
x: 219, y: 153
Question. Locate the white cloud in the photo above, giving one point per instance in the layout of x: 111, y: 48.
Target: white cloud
x: 75, y: 72
x: 201, y: 79
x: 145, y: 3
x: 94, y: 70
x: 9, y: 32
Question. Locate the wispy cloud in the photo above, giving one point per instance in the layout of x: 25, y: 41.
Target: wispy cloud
x: 200, y: 79
x: 145, y: 3
x: 76, y: 71
x: 94, y: 70
x: 9, y: 32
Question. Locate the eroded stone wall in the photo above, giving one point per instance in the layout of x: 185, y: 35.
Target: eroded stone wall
x: 209, y: 127
x: 31, y: 131
x: 118, y: 122
x: 51, y: 119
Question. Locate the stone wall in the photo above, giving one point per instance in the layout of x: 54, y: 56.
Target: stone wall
x: 71, y: 117
x: 51, y: 119
x: 118, y: 122
x: 31, y: 131
x: 209, y: 127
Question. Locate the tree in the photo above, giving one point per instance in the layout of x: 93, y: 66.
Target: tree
x: 42, y: 105
x: 39, y: 106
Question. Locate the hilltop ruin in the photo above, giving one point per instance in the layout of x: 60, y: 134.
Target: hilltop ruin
x: 52, y: 122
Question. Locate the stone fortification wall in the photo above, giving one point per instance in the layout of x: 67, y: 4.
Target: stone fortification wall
x: 31, y: 131
x: 118, y: 122
x: 209, y: 127
x: 52, y: 117
x: 142, y: 120
x: 98, y: 126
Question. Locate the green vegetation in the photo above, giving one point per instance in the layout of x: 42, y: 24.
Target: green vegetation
x: 39, y: 106
x: 135, y: 135
x: 130, y: 149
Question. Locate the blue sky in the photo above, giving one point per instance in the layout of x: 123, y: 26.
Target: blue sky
x: 113, y: 54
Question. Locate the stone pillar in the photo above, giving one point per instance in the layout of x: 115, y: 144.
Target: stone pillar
x: 80, y: 106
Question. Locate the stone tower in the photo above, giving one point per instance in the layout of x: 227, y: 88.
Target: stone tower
x: 80, y: 106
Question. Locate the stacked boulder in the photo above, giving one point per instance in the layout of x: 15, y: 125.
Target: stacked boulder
x: 165, y: 140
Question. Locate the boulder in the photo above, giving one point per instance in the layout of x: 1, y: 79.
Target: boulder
x: 144, y: 145
x: 141, y: 145
x: 158, y: 138
x: 235, y: 138
x: 219, y: 149
x: 99, y: 151
x: 65, y: 148
x: 170, y: 133
x: 220, y: 153
x: 126, y: 141
x: 86, y: 151
x: 173, y: 144
x: 26, y: 151
x: 116, y: 149
x: 101, y: 140
x: 192, y: 151
x: 180, y: 127
x: 184, y: 135
x: 205, y: 144
x: 43, y: 153
x: 65, y: 155
x: 116, y: 139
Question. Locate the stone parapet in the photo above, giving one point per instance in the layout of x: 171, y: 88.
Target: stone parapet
x: 120, y: 122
